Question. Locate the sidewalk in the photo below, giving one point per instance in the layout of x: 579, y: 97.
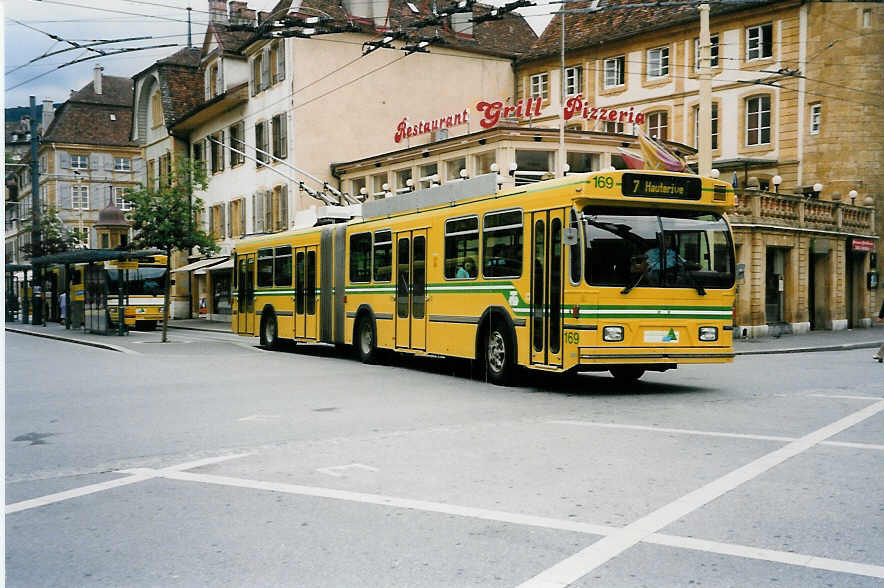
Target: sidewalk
x: 808, y: 342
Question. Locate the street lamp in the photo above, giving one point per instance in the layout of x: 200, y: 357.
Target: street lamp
x: 817, y: 188
x: 777, y: 180
x: 852, y: 195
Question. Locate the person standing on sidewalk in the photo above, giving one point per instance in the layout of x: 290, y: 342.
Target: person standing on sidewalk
x: 880, y: 355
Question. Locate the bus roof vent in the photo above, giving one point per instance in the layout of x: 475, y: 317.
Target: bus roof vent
x: 447, y: 193
x: 326, y: 215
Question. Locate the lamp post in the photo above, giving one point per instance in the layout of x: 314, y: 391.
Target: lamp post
x: 817, y: 188
x: 852, y: 195
x: 777, y: 180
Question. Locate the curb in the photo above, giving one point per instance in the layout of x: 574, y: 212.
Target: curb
x: 204, y: 330
x: 107, y: 346
x: 843, y: 347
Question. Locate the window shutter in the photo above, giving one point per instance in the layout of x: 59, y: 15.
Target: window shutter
x: 212, y: 222
x: 259, y: 211
x: 283, y: 136
x: 94, y: 161
x: 64, y: 160
x: 280, y: 61
x: 222, y: 224
x: 229, y: 219
x: 242, y: 212
x: 207, y: 83
x: 138, y: 165
x: 108, y: 162
x: 268, y: 210
x: 284, y: 207
x: 265, y: 69
x: 64, y: 195
x: 219, y: 78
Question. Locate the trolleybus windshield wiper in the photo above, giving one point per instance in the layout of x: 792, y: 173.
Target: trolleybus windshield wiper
x: 628, y: 289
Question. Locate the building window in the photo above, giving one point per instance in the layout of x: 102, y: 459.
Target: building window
x: 280, y: 139
x: 573, y: 81
x: 713, y: 52
x: 454, y: 167
x: 79, y: 161
x: 714, y: 126
x: 236, y: 142
x: 816, y: 112
x: 403, y: 177
x: 358, y: 188
x: 165, y: 169
x: 257, y: 67
x: 613, y: 127
x: 484, y: 161
x: 614, y: 71
x: 867, y: 18
x: 428, y: 175
x: 198, y: 158
x: 540, y: 86
x: 122, y: 164
x: 151, y: 173
x: 758, y: 121
x: 277, y: 61
x: 532, y: 166
x: 658, y: 62
x: 759, y: 42
x: 119, y: 200
x: 658, y: 125
x: 261, y: 144
x: 379, y: 186
x: 80, y: 197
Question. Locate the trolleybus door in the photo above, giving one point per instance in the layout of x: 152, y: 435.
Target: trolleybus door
x: 411, y: 290
x: 245, y: 295
x: 546, y: 287
x: 305, y: 292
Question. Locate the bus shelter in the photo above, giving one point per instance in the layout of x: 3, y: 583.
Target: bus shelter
x: 82, y: 276
x: 17, y: 292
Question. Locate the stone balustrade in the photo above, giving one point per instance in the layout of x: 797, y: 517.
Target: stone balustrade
x: 790, y: 211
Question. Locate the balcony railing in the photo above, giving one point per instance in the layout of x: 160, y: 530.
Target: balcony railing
x: 788, y: 211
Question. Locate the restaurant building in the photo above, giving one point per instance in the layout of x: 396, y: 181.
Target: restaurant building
x: 796, y: 89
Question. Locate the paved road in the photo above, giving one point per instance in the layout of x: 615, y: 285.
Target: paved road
x: 207, y: 461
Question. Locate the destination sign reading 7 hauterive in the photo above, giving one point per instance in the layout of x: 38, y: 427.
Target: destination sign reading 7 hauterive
x: 647, y: 186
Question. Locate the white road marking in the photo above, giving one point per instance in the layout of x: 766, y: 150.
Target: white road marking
x: 786, y: 557
x: 135, y: 475
x: 585, y: 561
x: 845, y: 396
x: 260, y: 418
x: 712, y: 434
x: 339, y: 471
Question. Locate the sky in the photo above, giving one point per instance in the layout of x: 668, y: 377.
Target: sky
x: 85, y: 21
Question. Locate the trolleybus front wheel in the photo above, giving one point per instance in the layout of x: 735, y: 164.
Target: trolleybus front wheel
x: 627, y: 373
x: 145, y: 325
x: 366, y: 340
x: 269, y: 333
x: 498, y: 356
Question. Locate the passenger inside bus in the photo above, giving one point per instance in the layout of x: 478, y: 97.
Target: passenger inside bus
x: 467, y: 269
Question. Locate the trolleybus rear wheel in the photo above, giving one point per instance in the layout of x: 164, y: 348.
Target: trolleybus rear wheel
x: 498, y: 356
x: 269, y: 333
x: 366, y: 345
x: 627, y: 373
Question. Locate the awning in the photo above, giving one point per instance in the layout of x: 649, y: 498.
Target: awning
x: 200, y: 263
x: 223, y: 266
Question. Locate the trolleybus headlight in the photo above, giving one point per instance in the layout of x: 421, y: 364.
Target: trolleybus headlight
x: 708, y: 333
x: 612, y: 333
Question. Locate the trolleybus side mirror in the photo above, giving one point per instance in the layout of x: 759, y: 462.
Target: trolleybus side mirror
x: 741, y: 271
x: 570, y: 236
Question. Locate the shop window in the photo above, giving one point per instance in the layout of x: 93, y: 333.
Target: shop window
x: 532, y: 166
x: 579, y: 163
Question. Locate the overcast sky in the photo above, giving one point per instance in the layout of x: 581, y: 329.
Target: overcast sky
x: 84, y: 21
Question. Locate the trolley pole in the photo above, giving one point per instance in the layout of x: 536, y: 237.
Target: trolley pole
x: 36, y: 245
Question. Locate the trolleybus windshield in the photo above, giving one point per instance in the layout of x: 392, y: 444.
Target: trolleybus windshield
x: 635, y: 247
x: 146, y: 281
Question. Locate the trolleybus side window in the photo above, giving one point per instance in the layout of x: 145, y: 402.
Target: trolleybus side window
x: 282, y: 266
x: 461, y: 248
x: 265, y: 268
x: 360, y: 257
x: 502, y: 244
x: 383, y: 255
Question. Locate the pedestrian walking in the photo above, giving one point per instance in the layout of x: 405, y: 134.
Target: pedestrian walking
x: 63, y: 306
x: 880, y: 355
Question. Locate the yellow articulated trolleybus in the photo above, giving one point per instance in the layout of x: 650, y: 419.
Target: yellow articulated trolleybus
x: 620, y: 271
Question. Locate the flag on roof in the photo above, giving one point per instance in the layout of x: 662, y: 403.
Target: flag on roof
x: 658, y: 157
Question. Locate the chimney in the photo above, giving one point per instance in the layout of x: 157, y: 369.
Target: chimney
x: 218, y: 11
x: 48, y: 114
x: 236, y: 9
x: 96, y: 78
